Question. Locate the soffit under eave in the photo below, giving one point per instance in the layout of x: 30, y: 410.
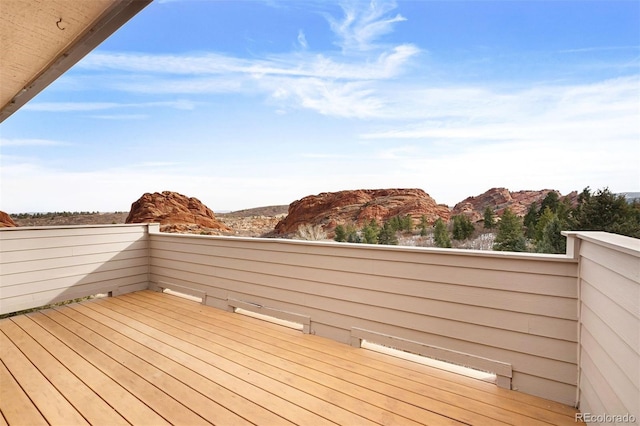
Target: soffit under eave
x: 37, y: 48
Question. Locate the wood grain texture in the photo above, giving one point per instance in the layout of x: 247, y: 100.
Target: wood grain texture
x: 182, y: 362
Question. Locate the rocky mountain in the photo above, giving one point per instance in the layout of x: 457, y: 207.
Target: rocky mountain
x: 6, y: 221
x: 357, y: 207
x: 178, y: 213
x: 175, y: 213
x: 500, y: 198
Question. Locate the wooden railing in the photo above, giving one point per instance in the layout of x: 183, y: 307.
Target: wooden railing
x: 564, y: 327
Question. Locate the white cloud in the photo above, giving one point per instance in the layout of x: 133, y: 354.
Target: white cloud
x: 121, y: 116
x: 591, y: 112
x: 361, y: 27
x: 101, y: 106
x: 31, y: 142
x: 332, y: 84
x: 383, y: 65
x: 352, y: 99
x: 302, y: 40
x: 347, y: 87
x: 600, y: 49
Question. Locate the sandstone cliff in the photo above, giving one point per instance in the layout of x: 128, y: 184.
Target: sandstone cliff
x: 357, y: 207
x: 175, y: 213
x: 6, y: 221
x: 500, y: 198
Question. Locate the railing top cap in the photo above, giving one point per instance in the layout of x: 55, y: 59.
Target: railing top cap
x: 617, y: 242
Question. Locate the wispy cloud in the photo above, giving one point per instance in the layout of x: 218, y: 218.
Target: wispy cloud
x: 329, y: 83
x: 352, y: 99
x: 383, y: 65
x: 120, y: 116
x: 100, y: 106
x: 600, y: 49
x: 302, y: 40
x: 361, y: 27
x: 31, y: 142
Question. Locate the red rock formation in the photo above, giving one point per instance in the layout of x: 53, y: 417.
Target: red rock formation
x: 330, y: 209
x: 6, y: 221
x: 175, y: 213
x: 500, y: 198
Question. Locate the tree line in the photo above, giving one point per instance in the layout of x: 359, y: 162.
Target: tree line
x: 49, y: 215
x: 538, y: 231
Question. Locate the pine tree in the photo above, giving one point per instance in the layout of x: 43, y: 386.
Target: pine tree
x: 552, y: 240
x: 510, y: 234
x: 441, y: 235
x: 489, y: 218
x: 341, y: 234
x: 423, y: 226
x: 545, y: 218
x: 552, y: 201
x: 387, y: 235
x: 605, y: 211
x: 530, y: 220
x: 370, y: 232
x: 407, y: 223
x: 462, y: 227
x: 352, y: 235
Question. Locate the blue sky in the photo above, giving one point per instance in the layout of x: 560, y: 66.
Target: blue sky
x: 251, y: 103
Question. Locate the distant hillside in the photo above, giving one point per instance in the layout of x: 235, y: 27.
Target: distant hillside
x: 631, y: 196
x: 258, y: 211
x: 68, y: 218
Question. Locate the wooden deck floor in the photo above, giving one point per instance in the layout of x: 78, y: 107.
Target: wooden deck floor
x: 152, y: 358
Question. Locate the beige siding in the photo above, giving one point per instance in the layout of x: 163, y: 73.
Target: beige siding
x: 609, y: 324
x: 46, y: 265
x: 516, y: 309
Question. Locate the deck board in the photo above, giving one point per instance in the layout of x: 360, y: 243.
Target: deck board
x: 152, y: 358
x: 354, y: 375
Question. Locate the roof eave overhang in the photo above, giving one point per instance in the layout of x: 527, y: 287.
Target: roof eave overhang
x: 113, y: 18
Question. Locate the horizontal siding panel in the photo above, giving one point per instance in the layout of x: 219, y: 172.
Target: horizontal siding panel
x: 606, y: 394
x: 23, y: 233
x: 71, y: 261
x: 609, y: 324
x: 619, y: 263
x: 61, y: 252
x: 65, y: 283
x: 564, y: 372
x: 396, y: 267
x: 78, y: 272
x: 613, y: 381
x: 33, y: 300
x: 589, y: 398
x: 361, y: 308
x: 40, y: 265
x: 621, y: 290
x: 624, y: 324
x: 253, y: 271
x: 545, y: 388
x: 334, y: 253
x: 612, y: 345
x: 476, y: 306
x: 68, y: 241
